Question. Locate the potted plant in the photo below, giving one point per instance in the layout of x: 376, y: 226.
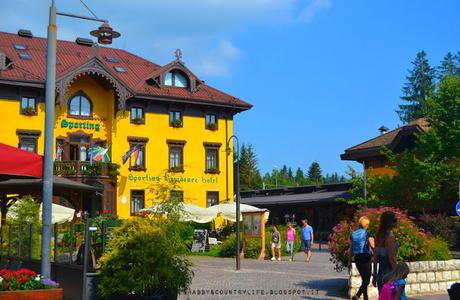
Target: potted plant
x: 176, y: 123
x: 211, y: 126
x: 25, y: 284
x: 28, y: 111
x: 145, y: 260
x: 138, y: 120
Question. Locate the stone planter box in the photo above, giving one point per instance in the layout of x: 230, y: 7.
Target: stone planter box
x: 425, y: 277
x: 47, y: 294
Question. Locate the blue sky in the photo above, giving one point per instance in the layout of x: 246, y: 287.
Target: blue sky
x: 322, y: 75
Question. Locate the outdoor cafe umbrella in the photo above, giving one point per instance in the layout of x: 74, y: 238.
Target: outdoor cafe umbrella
x: 228, y: 210
x: 17, y: 163
x: 61, y: 214
x: 188, y: 212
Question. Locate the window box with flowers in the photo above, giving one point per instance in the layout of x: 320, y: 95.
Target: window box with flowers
x: 178, y: 169
x: 211, y: 126
x: 176, y: 123
x: 212, y: 171
x: 138, y: 121
x: 26, y: 284
x: 28, y: 111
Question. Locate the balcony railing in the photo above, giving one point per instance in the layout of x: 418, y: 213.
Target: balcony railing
x: 84, y: 168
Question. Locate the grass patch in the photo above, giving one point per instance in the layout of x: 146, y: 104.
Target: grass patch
x: 213, y: 251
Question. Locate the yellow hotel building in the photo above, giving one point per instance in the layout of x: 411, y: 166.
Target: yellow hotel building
x: 112, y: 100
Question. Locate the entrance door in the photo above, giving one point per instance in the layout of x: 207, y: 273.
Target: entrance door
x: 79, y: 147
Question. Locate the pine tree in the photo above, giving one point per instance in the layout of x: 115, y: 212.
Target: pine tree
x: 448, y: 66
x: 417, y: 89
x: 290, y: 175
x: 314, y: 172
x: 299, y: 177
x: 249, y: 171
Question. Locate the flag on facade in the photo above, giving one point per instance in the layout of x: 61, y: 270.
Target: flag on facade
x: 136, y: 155
x: 59, y: 152
x: 101, y: 154
x: 129, y: 153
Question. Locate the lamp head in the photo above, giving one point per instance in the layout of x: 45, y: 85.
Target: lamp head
x: 105, y: 34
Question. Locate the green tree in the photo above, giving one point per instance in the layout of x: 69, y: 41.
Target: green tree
x: 427, y: 176
x: 249, y: 171
x: 290, y: 175
x: 299, y: 177
x: 314, y: 172
x: 418, y: 88
x: 448, y: 66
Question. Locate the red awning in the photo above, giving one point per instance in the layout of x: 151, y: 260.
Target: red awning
x: 15, y: 163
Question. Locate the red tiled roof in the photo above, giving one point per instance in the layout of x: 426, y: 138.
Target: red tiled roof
x: 70, y: 55
x: 377, y: 143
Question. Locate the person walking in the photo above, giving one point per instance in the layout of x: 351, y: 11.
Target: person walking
x: 362, y: 246
x: 386, y: 249
x: 290, y: 240
x: 307, y: 238
x: 276, y: 243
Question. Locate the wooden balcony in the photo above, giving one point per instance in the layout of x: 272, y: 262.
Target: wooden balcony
x: 85, y: 169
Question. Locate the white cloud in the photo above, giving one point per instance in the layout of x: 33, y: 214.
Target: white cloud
x: 155, y: 28
x: 313, y: 8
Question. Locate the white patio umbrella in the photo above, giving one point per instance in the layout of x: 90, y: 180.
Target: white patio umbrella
x: 61, y: 214
x: 189, y: 212
x: 228, y: 210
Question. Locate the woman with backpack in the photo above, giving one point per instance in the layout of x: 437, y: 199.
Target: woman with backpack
x: 362, y: 246
x: 386, y: 249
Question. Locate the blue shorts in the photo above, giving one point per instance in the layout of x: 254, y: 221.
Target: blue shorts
x: 306, y: 245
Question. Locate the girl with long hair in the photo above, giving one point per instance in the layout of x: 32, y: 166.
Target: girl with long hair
x: 386, y: 249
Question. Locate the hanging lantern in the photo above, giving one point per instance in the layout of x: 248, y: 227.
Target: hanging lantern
x: 105, y: 34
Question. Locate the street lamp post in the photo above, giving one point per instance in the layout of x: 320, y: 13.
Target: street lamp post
x: 105, y: 35
x: 237, y: 183
x: 276, y: 176
x: 364, y: 184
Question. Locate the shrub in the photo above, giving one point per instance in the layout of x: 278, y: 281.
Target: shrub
x: 228, y: 247
x: 414, y: 244
x: 437, y: 249
x: 145, y: 256
x: 439, y: 225
x: 252, y: 248
x: 227, y: 230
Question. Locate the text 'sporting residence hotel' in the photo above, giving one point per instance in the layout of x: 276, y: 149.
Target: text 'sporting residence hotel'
x: 113, y: 106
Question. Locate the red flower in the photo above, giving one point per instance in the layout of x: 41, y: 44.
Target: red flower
x: 24, y: 278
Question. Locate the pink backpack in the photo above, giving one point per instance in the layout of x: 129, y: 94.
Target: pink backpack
x: 388, y: 291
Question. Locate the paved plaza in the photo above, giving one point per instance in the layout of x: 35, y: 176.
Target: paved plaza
x: 217, y: 279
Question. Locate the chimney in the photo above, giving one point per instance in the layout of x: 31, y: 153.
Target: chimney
x: 383, y: 129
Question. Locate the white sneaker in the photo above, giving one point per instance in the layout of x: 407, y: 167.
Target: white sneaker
x: 279, y: 258
x: 273, y: 258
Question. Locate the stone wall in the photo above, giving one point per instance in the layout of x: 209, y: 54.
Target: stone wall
x: 425, y: 277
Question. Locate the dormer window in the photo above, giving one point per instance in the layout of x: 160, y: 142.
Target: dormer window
x: 176, y: 78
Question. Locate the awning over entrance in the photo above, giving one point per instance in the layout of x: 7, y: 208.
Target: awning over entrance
x: 17, y: 163
x: 19, y: 186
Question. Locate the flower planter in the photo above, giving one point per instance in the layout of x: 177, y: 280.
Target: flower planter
x: 46, y: 294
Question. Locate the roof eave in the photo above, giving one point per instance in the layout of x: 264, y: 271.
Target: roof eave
x: 195, y: 101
